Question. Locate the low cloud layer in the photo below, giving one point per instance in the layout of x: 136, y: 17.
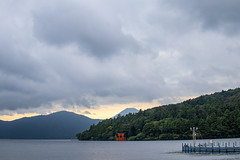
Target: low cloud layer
x: 88, y: 54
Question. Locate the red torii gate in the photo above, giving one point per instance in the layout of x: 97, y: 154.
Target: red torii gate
x: 121, y: 137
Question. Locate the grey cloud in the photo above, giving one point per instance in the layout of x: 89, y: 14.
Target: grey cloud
x: 222, y: 15
x: 70, y: 22
x: 85, y: 101
x: 53, y: 61
x: 20, y: 64
x: 87, y: 112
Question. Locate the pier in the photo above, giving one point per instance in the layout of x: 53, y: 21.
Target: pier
x: 210, y: 146
x: 226, y: 147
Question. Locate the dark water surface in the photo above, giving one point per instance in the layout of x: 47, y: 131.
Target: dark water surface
x: 101, y: 150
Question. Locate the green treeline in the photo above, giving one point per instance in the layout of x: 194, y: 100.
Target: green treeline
x: 216, y: 115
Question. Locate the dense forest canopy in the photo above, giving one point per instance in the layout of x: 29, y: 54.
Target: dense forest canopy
x: 216, y: 115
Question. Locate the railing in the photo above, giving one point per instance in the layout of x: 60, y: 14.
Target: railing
x: 211, y: 147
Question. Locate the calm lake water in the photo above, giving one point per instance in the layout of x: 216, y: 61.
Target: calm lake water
x: 101, y: 150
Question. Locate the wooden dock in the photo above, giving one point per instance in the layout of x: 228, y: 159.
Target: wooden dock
x: 212, y: 148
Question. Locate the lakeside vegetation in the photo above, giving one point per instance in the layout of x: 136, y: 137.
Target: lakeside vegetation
x: 216, y: 115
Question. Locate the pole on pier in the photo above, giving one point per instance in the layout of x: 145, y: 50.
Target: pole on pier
x: 193, y: 129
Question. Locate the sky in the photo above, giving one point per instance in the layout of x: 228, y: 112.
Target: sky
x: 97, y: 58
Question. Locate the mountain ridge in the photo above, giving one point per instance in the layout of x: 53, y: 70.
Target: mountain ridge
x: 58, y: 125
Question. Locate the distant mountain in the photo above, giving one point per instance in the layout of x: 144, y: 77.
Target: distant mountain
x: 59, y: 125
x: 126, y: 111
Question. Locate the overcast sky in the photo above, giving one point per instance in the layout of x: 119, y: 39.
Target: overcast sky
x: 84, y: 55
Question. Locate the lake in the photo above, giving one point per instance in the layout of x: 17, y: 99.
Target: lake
x: 102, y: 150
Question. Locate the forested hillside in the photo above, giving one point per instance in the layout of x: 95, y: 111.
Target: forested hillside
x: 216, y: 115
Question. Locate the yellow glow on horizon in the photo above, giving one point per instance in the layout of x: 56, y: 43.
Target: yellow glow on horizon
x: 17, y: 116
x: 108, y: 111
x: 101, y: 112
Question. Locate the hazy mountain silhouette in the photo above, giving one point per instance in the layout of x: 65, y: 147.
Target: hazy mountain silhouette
x: 59, y: 125
x: 126, y: 111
